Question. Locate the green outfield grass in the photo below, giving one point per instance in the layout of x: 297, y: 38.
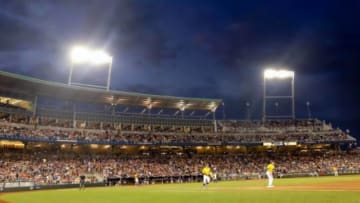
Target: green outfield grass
x: 295, y: 190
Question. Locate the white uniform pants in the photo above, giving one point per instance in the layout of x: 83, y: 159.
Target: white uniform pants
x: 270, y: 178
x: 206, y: 179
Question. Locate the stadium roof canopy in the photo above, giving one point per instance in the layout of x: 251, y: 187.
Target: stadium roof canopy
x: 24, y: 85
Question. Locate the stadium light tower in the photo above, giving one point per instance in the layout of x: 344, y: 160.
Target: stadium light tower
x: 308, y: 109
x: 279, y: 74
x: 84, y: 55
x: 248, y: 105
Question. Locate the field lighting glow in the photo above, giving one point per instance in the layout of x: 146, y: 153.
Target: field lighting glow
x: 278, y: 74
x: 92, y: 57
x: 81, y: 54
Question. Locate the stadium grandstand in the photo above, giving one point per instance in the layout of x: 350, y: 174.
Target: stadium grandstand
x: 51, y: 132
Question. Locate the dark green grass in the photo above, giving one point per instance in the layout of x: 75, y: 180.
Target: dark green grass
x: 227, y: 192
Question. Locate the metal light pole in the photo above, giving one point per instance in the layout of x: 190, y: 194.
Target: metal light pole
x: 276, y: 104
x: 293, y: 96
x: 70, y: 73
x: 264, y: 99
x: 308, y: 109
x: 248, y: 110
x: 223, y: 111
x: 109, y: 76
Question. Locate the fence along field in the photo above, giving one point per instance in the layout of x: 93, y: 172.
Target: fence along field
x: 294, y: 190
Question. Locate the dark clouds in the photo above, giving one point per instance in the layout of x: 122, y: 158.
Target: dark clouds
x: 197, y: 48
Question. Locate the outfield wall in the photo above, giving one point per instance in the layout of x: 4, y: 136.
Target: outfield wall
x: 30, y: 186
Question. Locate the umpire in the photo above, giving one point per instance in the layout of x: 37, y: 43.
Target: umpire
x: 82, y: 182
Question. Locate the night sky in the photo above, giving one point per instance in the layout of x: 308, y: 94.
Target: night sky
x: 198, y: 48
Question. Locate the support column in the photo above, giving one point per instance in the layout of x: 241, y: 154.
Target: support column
x: 35, y: 106
x: 113, y: 115
x: 74, y: 115
x: 214, y: 121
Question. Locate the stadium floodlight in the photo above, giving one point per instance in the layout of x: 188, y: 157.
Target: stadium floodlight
x: 100, y: 57
x: 84, y: 55
x: 278, y: 74
x: 274, y: 74
x: 81, y: 54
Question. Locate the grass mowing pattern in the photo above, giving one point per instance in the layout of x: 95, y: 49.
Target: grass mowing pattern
x: 227, y: 192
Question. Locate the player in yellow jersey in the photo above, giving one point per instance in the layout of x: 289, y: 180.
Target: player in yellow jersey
x: 269, y: 173
x: 335, y: 170
x: 206, y: 172
x: 136, y: 179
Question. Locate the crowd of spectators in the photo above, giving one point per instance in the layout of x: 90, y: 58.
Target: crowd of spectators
x: 56, y: 167
x: 154, y: 137
x: 288, y: 125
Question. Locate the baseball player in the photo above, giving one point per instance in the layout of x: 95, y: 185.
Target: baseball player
x: 269, y: 173
x: 206, y: 172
